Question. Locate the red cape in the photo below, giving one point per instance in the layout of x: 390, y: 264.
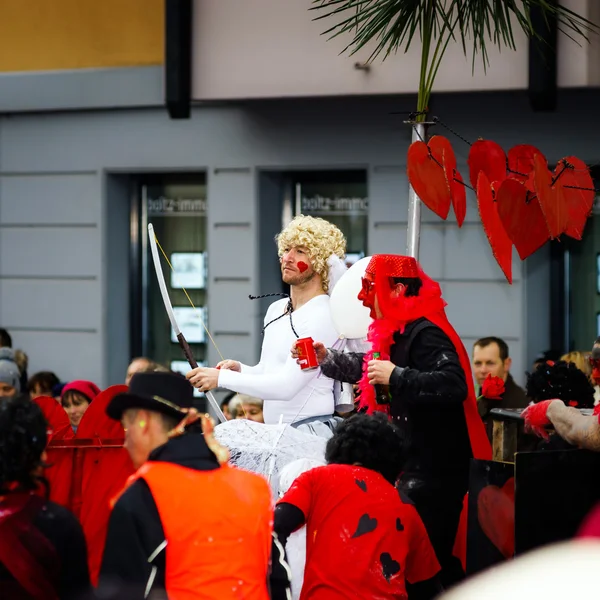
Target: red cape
x: 480, y: 444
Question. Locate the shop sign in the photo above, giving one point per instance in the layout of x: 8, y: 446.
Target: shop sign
x: 324, y: 204
x: 171, y: 206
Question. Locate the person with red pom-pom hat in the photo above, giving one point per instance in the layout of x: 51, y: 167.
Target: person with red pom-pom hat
x: 424, y: 370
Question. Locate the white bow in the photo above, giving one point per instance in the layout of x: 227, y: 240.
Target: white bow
x: 169, y: 308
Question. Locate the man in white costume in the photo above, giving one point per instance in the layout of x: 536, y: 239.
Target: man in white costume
x: 311, y: 252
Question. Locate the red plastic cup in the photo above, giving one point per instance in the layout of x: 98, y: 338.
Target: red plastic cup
x: 307, y: 357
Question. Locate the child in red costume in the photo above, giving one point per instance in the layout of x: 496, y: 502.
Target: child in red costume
x: 363, y: 539
x: 430, y: 394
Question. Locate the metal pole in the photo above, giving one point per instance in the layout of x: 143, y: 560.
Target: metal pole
x: 419, y: 133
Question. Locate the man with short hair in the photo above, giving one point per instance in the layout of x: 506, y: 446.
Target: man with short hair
x: 141, y: 364
x: 491, y: 357
x: 311, y: 252
x: 181, y: 527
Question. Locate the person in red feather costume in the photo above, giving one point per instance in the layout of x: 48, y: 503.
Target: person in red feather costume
x: 418, y: 372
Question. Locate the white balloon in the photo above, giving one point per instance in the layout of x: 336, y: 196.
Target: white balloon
x: 563, y: 570
x: 350, y: 318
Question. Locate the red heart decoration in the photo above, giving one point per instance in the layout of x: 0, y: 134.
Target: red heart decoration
x: 440, y: 146
x: 550, y: 194
x: 496, y: 515
x: 489, y: 157
x: 459, y: 197
x: 492, y: 225
x: 520, y: 163
x: 522, y: 217
x: 427, y: 177
x: 579, y: 191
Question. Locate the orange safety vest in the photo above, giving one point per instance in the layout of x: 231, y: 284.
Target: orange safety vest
x: 218, y: 527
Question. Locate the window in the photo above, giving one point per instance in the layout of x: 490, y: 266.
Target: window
x: 176, y: 207
x: 340, y: 197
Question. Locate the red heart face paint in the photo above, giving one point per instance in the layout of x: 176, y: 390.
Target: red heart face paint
x: 302, y: 266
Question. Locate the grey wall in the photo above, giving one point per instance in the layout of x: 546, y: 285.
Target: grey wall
x: 63, y: 237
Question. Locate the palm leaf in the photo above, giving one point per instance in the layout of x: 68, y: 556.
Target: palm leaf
x: 391, y: 25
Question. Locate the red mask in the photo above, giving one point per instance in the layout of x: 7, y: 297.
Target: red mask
x: 367, y: 295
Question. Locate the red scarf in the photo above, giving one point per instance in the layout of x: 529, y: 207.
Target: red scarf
x: 398, y: 312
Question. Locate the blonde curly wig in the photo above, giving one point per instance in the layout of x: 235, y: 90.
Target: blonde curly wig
x: 320, y: 237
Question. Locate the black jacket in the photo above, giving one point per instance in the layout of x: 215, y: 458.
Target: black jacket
x: 428, y: 388
x: 135, y: 530
x: 64, y: 532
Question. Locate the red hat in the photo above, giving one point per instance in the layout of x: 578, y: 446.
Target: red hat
x: 393, y: 265
x: 87, y: 388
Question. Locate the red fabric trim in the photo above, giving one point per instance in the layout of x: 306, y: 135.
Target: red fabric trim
x: 480, y: 444
x: 24, y: 550
x: 460, y: 542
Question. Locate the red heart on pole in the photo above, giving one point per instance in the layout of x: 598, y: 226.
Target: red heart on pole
x: 441, y: 146
x: 550, y: 193
x: 427, y: 177
x: 496, y: 516
x: 522, y: 217
x: 489, y: 157
x: 459, y: 197
x: 579, y: 191
x: 492, y: 225
x: 520, y: 163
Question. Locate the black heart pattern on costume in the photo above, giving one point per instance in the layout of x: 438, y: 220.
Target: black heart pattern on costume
x: 365, y: 525
x: 389, y: 566
x: 399, y: 525
x: 361, y: 484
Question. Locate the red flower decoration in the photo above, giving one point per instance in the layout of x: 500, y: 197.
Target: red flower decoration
x: 492, y: 388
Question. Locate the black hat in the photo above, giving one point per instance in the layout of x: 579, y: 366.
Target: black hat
x: 166, y: 393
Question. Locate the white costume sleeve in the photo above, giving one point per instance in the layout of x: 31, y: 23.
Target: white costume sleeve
x: 260, y: 367
x: 252, y: 370
x: 288, y: 381
x: 283, y: 385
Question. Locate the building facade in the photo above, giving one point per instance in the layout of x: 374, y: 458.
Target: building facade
x: 89, y: 157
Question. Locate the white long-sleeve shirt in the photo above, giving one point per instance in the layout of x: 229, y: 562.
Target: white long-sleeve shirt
x: 285, y: 388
